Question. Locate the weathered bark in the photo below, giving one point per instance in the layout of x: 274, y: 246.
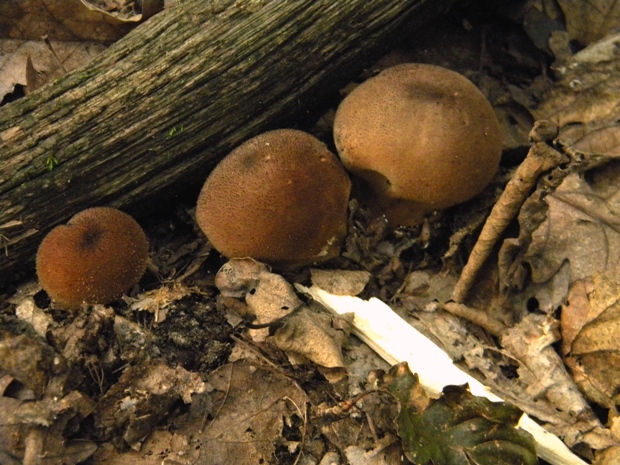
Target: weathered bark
x: 162, y: 105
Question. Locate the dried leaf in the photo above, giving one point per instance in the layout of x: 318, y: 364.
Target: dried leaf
x: 587, y: 92
x: 59, y: 20
x: 77, y: 338
x: 301, y: 333
x: 340, y: 282
x: 306, y: 334
x: 239, y: 276
x: 15, y: 54
x: 37, y: 428
x: 396, y: 341
x: 582, y: 227
x: 28, y: 311
x: 423, y: 287
x: 387, y: 451
x: 593, y: 140
x: 142, y: 398
x: 540, y: 160
x: 610, y: 456
x: 27, y: 359
x: 542, y: 370
x: 69, y: 453
x: 590, y: 21
x: 11, y: 434
x: 251, y: 405
x: 157, y: 301
x: 272, y: 299
x: 170, y: 447
x: 592, y: 322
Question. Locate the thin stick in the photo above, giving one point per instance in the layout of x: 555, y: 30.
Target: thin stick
x: 540, y: 159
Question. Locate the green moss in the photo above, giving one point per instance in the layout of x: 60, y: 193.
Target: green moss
x: 176, y: 130
x: 51, y: 162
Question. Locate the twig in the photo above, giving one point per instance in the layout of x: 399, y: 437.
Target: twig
x: 482, y: 319
x: 540, y: 159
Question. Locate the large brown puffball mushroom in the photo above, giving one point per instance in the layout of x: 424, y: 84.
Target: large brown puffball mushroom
x: 423, y: 138
x: 280, y: 198
x: 97, y: 256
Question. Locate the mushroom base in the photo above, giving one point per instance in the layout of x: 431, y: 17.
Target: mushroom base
x: 400, y: 212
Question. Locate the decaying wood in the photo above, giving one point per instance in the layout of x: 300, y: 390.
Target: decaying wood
x: 157, y: 110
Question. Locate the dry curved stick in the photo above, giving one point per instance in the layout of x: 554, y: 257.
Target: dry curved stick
x: 540, y: 159
x: 482, y: 319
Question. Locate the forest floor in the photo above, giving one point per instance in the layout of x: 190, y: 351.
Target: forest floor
x: 174, y: 372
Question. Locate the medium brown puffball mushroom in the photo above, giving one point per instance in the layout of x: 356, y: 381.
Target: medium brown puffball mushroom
x: 97, y: 256
x: 423, y: 138
x: 280, y: 198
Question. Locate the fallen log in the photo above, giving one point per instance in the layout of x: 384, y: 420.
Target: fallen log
x: 160, y: 107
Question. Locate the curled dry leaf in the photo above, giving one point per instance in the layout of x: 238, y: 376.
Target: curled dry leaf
x: 285, y: 319
x: 591, y: 331
x: 312, y: 336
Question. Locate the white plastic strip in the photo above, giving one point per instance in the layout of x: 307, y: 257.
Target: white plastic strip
x: 397, y: 341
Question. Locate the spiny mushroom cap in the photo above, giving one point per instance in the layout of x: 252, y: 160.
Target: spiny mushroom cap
x: 280, y: 197
x: 423, y: 137
x: 97, y: 256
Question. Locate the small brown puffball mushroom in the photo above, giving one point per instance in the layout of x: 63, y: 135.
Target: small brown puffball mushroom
x: 97, y: 256
x: 280, y: 198
x: 423, y: 138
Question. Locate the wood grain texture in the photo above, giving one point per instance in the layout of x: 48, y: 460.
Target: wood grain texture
x: 161, y: 106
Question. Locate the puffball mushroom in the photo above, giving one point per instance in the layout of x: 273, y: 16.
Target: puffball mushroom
x: 97, y: 256
x: 423, y: 138
x: 280, y: 198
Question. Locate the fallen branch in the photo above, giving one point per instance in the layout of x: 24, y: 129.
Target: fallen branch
x: 146, y: 120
